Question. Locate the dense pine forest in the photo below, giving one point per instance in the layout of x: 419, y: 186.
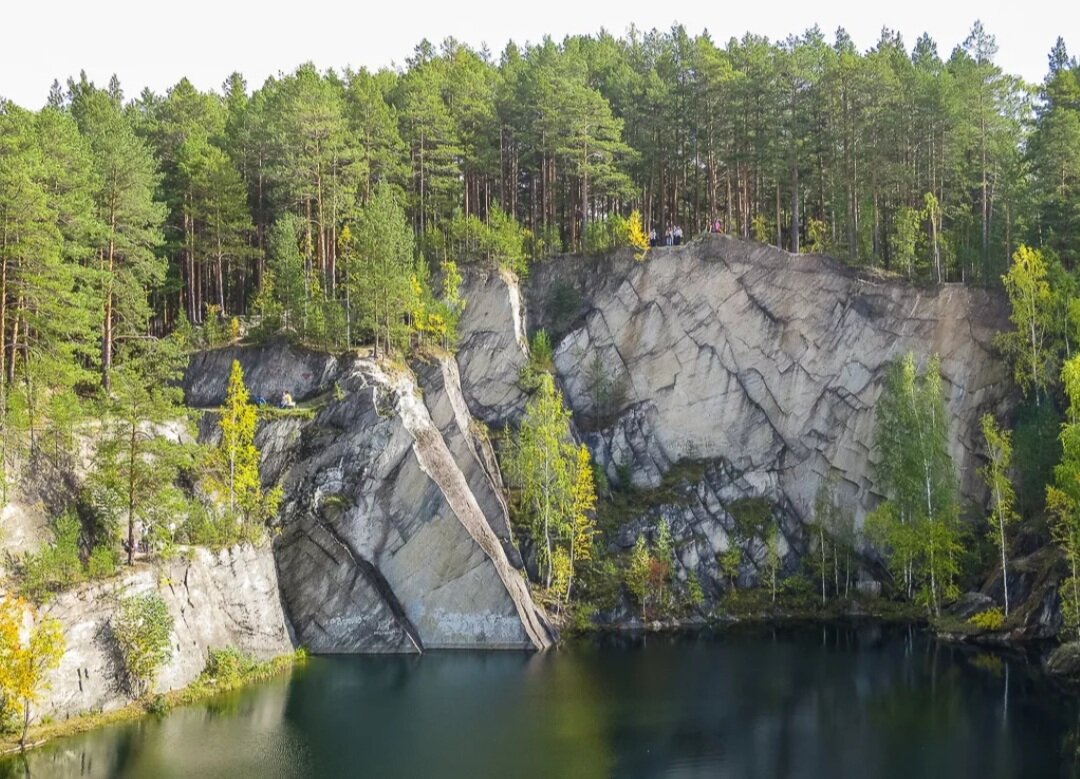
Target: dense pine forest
x: 134, y: 214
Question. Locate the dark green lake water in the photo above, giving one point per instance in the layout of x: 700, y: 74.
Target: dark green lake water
x: 794, y: 702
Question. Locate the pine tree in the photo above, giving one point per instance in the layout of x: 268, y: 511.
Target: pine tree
x: 380, y: 270
x: 125, y: 205
x: 1063, y: 498
x: 137, y: 464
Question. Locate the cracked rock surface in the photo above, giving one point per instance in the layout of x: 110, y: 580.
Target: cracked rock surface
x: 729, y: 350
x: 395, y: 533
x: 217, y: 600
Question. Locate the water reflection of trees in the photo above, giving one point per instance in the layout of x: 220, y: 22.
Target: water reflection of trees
x: 805, y: 701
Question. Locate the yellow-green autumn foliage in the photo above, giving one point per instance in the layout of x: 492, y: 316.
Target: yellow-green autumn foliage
x: 30, y: 647
x: 552, y: 487
x: 1063, y: 499
x: 1027, y: 347
x: 232, y: 467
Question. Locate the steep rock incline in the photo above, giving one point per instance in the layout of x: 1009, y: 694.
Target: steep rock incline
x: 492, y: 348
x: 228, y: 599
x: 393, y: 537
x: 728, y: 350
x: 269, y: 370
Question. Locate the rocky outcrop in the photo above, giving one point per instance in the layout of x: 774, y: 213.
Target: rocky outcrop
x: 492, y: 348
x: 709, y: 507
x: 771, y: 362
x: 228, y: 599
x: 394, y: 531
x: 269, y: 370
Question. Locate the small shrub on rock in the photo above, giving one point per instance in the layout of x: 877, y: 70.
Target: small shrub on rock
x: 991, y: 619
x: 142, y: 628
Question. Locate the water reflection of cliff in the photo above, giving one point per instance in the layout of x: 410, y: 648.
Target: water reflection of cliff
x: 807, y: 702
x: 228, y: 736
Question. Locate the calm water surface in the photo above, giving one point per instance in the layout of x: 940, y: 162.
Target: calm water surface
x: 810, y: 702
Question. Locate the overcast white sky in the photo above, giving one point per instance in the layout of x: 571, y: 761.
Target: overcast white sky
x: 208, y: 39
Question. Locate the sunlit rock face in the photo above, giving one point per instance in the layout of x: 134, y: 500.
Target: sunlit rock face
x: 216, y: 599
x: 764, y: 366
x: 394, y: 533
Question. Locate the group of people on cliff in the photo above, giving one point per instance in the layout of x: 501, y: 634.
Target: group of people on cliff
x: 672, y: 236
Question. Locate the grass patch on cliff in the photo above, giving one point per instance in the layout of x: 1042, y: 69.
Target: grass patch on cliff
x: 226, y: 670
x: 626, y: 502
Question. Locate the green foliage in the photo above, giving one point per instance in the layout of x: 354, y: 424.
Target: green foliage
x: 137, y: 465
x: 760, y: 229
x: 228, y: 667
x: 990, y: 619
x: 832, y: 541
x: 142, y: 627
x: 773, y: 559
x: 695, y: 596
x: 231, y: 469
x: 57, y: 566
x: 541, y: 361
x: 1032, y: 314
x: 916, y: 527
x: 607, y: 393
x: 563, y: 306
x: 730, y: 561
x: 606, y: 233
x: 379, y: 271
x: 637, y: 573
x: 751, y: 515
x: 1002, y: 498
x: 552, y: 487
x: 1063, y: 498
x: 1037, y: 450
x: 102, y: 562
x: 213, y: 329
x: 541, y: 353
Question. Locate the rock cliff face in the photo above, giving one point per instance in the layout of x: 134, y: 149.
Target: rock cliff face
x: 772, y: 362
x: 492, y: 347
x: 269, y: 371
x: 761, y: 365
x: 395, y: 536
x: 229, y: 599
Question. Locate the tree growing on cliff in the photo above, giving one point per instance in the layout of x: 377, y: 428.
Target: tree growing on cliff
x: 916, y: 526
x: 551, y: 479
x: 1032, y: 314
x: 29, y: 648
x: 379, y: 270
x: 1002, y: 497
x: 1063, y: 498
x: 232, y: 467
x: 638, y: 570
x: 142, y: 628
x: 833, y: 530
x: 137, y: 462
